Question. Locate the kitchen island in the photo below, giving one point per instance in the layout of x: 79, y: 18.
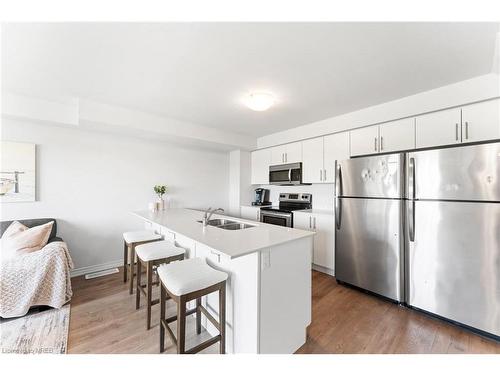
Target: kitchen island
x: 269, y: 286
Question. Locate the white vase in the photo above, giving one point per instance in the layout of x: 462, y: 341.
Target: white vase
x: 161, y: 204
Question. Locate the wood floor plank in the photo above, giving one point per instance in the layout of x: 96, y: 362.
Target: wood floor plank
x: 344, y: 320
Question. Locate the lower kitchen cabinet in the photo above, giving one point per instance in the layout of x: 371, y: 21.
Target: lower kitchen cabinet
x: 250, y: 213
x: 324, y: 241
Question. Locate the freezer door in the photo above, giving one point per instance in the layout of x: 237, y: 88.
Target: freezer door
x: 454, y: 262
x: 371, y: 177
x: 368, y: 245
x: 459, y: 173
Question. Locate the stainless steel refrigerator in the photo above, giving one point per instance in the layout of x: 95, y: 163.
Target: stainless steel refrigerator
x: 369, y: 216
x: 430, y: 218
x: 453, y: 234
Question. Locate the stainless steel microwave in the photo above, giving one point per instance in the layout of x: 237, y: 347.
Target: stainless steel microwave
x: 285, y: 174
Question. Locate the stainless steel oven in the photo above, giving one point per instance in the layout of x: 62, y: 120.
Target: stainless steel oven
x: 283, y: 219
x: 283, y: 214
x: 285, y: 174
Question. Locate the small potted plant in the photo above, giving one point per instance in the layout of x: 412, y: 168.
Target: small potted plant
x: 160, y: 190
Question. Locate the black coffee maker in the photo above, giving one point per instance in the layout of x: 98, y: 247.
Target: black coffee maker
x: 261, y: 197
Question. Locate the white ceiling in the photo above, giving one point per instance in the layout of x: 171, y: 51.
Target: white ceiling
x: 198, y: 72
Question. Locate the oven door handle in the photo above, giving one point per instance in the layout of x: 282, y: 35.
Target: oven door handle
x: 290, y: 175
x: 274, y: 214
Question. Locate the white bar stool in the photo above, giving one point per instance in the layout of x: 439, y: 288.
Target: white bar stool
x: 130, y: 241
x: 152, y: 254
x: 183, y: 282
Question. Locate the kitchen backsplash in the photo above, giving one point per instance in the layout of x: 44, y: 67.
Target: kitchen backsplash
x: 322, y: 194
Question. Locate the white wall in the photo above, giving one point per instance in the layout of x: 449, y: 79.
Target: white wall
x: 91, y: 181
x: 240, y: 189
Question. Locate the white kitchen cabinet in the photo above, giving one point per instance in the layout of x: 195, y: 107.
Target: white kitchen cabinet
x: 481, y: 121
x: 278, y: 155
x: 293, y: 152
x: 312, y: 160
x: 250, y: 212
x: 324, y: 240
x: 388, y: 137
x: 260, y: 161
x: 319, y: 156
x: 284, y: 154
x: 397, y: 135
x: 438, y: 128
x: 335, y: 147
x: 364, y: 141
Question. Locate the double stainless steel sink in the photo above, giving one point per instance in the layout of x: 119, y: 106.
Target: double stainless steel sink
x: 227, y: 224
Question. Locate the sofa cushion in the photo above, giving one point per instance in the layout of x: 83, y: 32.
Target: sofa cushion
x: 31, y: 223
x: 19, y: 239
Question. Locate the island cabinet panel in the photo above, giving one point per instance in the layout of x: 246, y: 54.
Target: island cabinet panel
x: 187, y: 244
x: 285, y: 296
x: 242, y: 295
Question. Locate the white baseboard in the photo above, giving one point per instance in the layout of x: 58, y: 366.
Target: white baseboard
x: 96, y: 268
x: 328, y: 271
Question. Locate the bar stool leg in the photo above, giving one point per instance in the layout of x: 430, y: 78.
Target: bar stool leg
x: 198, y: 315
x: 149, y: 276
x: 162, y: 317
x: 125, y: 261
x: 181, y: 325
x: 138, y: 286
x: 132, y: 261
x: 222, y: 318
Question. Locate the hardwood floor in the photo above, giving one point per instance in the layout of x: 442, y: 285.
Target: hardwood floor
x: 344, y: 320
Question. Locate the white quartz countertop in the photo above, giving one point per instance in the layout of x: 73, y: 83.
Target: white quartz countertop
x: 232, y: 243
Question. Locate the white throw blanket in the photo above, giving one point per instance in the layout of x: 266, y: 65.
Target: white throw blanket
x: 38, y: 278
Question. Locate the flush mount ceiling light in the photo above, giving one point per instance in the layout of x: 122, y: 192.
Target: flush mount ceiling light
x: 259, y: 101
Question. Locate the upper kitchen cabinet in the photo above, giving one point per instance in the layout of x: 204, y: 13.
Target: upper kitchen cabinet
x: 289, y: 153
x: 261, y: 159
x: 438, y: 128
x: 336, y: 147
x: 364, y: 141
x: 278, y: 155
x: 397, y: 135
x: 319, y: 156
x: 481, y: 121
x: 312, y: 160
x: 391, y: 136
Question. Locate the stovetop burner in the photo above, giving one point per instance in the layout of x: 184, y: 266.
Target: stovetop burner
x: 291, y: 202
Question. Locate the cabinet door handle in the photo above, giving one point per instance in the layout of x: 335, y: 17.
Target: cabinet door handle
x: 466, y: 130
x: 310, y: 218
x: 381, y: 143
x: 456, y: 131
x: 282, y: 157
x: 324, y: 174
x: 314, y: 222
x: 286, y: 157
x: 375, y: 143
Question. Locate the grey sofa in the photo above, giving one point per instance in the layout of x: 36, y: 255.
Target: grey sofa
x: 33, y: 223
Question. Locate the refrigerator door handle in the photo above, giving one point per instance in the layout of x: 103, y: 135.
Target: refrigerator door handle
x: 411, y: 195
x: 411, y: 221
x: 411, y: 179
x: 338, y: 192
